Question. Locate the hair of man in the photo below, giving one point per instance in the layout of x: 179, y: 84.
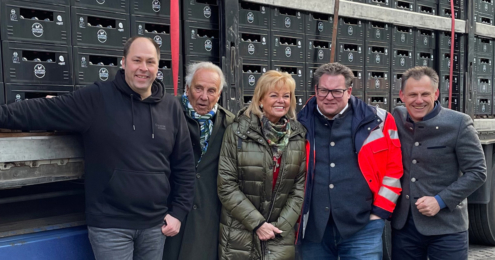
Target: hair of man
x: 193, y: 67
x: 417, y: 73
x: 334, y: 69
x: 129, y: 42
x: 272, y: 80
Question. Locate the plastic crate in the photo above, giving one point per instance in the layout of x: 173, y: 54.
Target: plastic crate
x: 154, y: 28
x: 251, y: 71
x: 318, y: 49
x: 350, y: 53
x: 119, y: 6
x: 286, y: 19
x: 287, y: 46
x: 252, y: 15
x: 254, y: 44
x: 319, y: 24
x: 20, y: 92
x: 402, y: 58
x: 151, y: 8
x: 377, y: 80
x: 201, y: 10
x: 295, y: 69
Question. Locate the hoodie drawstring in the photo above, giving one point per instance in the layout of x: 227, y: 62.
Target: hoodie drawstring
x: 132, y: 112
x: 152, y: 125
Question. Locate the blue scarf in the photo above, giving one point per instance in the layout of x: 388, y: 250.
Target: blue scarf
x: 205, y: 123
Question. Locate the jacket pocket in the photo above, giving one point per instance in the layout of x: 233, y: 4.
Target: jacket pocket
x: 136, y: 191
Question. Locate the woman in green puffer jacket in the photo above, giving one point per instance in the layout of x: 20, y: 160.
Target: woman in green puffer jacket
x: 262, y: 171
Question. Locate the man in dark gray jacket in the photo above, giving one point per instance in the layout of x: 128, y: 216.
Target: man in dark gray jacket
x: 443, y: 164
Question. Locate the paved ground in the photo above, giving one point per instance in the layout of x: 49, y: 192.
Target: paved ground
x: 477, y: 252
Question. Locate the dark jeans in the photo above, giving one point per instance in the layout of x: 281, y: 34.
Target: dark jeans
x: 366, y: 244
x: 127, y: 244
x: 409, y: 244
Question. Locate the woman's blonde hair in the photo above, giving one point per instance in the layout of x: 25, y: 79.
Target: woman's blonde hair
x: 271, y: 80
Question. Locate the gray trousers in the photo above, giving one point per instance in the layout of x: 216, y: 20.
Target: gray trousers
x: 127, y: 244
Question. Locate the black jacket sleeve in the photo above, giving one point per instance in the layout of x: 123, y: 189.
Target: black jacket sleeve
x: 182, y: 169
x: 73, y: 112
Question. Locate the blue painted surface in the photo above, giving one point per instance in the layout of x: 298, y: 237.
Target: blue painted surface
x: 62, y: 244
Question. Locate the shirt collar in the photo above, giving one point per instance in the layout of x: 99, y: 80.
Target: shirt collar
x: 337, y: 116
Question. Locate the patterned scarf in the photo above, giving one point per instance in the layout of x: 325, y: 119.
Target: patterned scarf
x: 277, y: 135
x: 205, y: 123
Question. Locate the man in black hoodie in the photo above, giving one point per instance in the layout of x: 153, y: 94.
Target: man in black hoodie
x: 135, y: 139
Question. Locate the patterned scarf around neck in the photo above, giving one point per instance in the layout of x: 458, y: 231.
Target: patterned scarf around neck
x: 277, y: 134
x: 205, y: 123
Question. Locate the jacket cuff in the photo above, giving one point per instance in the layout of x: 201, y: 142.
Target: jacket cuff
x: 178, y: 213
x: 381, y: 212
x: 440, y: 202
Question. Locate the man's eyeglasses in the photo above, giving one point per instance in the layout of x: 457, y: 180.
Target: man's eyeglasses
x: 336, y: 93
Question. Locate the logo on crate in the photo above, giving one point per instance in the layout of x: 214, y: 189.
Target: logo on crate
x: 288, y: 51
x: 13, y: 15
x: 84, y: 64
x: 350, y: 57
x: 158, y: 40
x: 103, y: 74
x: 299, y: 73
x: 81, y: 23
x: 193, y: 34
x: 15, y: 57
x: 486, y: 7
x: 37, y: 29
x: 425, y: 63
x: 156, y: 6
x: 121, y: 27
x: 311, y: 73
x: 59, y: 20
x: 263, y: 41
x: 484, y: 48
x: 403, y: 37
x: 262, y: 9
x: 299, y: 44
x: 250, y: 17
x: 140, y: 29
x: 102, y: 36
x: 17, y: 98
x: 484, y: 67
x: 287, y: 22
x: 251, y: 80
x: 425, y: 41
x: 377, y: 83
x: 251, y: 48
x: 159, y: 75
x: 402, y: 61
x: 378, y: 34
x: 208, y: 45
x: 320, y: 26
x: 39, y: 71
x: 100, y: 1
x: 321, y: 55
x: 350, y: 31
x: 61, y: 60
x: 377, y: 58
x: 207, y: 12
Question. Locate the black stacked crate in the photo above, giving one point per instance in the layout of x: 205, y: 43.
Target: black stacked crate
x: 403, y: 58
x: 36, y: 49
x: 201, y: 30
x: 483, y: 69
x: 288, y: 47
x: 318, y: 41
x: 444, y: 63
x: 377, y: 63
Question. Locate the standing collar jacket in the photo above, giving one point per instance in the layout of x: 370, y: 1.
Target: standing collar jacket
x: 375, y: 142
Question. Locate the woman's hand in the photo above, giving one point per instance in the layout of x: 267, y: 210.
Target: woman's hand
x: 267, y: 231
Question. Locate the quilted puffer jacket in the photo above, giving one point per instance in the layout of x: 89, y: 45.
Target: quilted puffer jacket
x: 245, y: 190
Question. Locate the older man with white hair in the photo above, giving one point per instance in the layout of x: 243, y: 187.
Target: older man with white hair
x: 206, y: 120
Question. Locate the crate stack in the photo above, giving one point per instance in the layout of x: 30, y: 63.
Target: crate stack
x: 36, y: 49
x: 483, y: 69
x: 444, y: 43
x: 254, y: 46
x: 351, y: 51
x: 153, y: 21
x: 403, y: 40
x: 288, y: 47
x: 99, y: 32
x: 201, y: 31
x: 377, y: 63
x: 429, y: 7
x: 318, y: 33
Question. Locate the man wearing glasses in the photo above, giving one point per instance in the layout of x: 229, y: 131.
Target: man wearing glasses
x: 354, y: 170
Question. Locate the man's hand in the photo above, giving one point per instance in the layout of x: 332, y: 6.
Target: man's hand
x: 172, y: 227
x: 267, y: 231
x: 374, y: 217
x: 428, y: 206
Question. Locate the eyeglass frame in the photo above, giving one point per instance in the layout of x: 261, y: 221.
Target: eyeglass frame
x: 330, y: 91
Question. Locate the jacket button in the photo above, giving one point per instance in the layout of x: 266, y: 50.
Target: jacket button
x: 414, y: 161
x: 331, y: 186
x: 413, y: 180
x: 369, y: 128
x: 332, y: 165
x: 327, y: 208
x: 407, y: 197
x: 416, y: 144
x: 194, y: 206
x: 198, y: 175
x: 248, y: 132
x: 332, y: 144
